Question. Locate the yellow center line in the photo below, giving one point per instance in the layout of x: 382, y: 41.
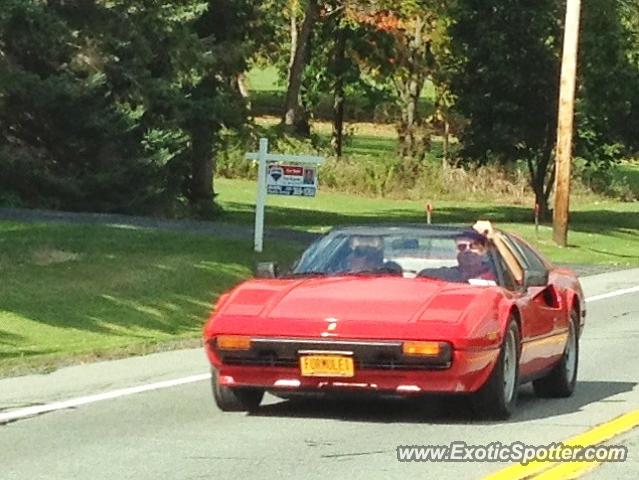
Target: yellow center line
x: 554, y: 471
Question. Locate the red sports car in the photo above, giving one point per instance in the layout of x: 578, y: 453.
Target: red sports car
x: 403, y: 310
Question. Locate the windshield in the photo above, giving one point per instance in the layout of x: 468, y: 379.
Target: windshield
x: 458, y: 256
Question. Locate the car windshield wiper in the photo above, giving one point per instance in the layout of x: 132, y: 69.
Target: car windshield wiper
x: 373, y: 271
x: 310, y: 273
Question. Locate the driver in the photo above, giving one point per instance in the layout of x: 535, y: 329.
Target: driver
x: 367, y: 255
x: 365, y: 258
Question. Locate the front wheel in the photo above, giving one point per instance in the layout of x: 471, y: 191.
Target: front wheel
x: 239, y: 399
x: 497, y: 398
x: 561, y: 380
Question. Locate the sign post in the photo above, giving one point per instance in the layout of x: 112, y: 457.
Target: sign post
x: 280, y: 180
x: 429, y: 213
x: 260, y: 203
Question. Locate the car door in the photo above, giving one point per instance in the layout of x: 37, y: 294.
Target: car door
x: 541, y: 309
x: 538, y: 313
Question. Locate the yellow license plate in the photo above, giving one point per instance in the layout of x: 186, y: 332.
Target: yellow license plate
x: 327, y: 366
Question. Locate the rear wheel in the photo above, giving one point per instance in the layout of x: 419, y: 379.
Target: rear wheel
x: 497, y: 398
x: 561, y: 380
x: 238, y: 399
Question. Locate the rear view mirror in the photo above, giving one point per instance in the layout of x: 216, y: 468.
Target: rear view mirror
x: 266, y: 270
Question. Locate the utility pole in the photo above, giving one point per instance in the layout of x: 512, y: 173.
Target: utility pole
x: 563, y: 160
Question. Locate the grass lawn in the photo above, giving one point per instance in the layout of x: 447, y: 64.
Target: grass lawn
x: 363, y: 139
x: 602, y: 232
x: 80, y: 292
x: 264, y: 79
x: 267, y: 95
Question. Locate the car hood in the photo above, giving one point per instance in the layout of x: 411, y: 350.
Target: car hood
x: 373, y: 300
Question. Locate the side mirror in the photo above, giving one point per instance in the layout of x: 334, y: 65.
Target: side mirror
x: 535, y: 278
x: 266, y: 270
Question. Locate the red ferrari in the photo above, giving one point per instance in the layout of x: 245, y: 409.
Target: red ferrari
x: 402, y: 310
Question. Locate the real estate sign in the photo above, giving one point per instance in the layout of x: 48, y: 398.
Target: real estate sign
x: 277, y: 176
x: 293, y: 180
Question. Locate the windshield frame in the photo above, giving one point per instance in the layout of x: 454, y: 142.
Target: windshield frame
x: 337, y: 243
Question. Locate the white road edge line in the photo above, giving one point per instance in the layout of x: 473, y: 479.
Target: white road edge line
x: 123, y: 392
x: 616, y: 293
x: 76, y: 402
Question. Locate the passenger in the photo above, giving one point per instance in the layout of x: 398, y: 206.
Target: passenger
x: 472, y: 257
x: 473, y: 261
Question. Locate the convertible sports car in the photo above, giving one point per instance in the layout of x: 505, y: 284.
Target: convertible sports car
x: 402, y: 310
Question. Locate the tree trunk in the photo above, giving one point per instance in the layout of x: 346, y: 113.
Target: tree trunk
x: 541, y: 183
x: 541, y: 200
x: 294, y: 116
x: 409, y: 127
x: 446, y: 148
x: 549, y: 167
x: 339, y: 98
x: 242, y: 87
x: 409, y: 90
x: 545, y: 173
x: 201, y: 191
x: 294, y: 35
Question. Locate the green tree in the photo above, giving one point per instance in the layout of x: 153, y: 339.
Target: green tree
x: 608, y: 107
x: 340, y: 44
x: 224, y: 33
x: 504, y: 74
x: 64, y: 140
x: 118, y: 105
x: 407, y: 53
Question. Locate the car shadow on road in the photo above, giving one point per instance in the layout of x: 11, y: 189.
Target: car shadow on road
x: 439, y: 409
x: 530, y: 407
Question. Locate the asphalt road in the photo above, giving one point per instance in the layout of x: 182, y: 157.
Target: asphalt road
x: 177, y: 432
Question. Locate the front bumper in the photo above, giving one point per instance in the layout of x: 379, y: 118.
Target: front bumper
x: 466, y: 372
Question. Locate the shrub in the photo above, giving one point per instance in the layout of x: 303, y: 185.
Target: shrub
x: 395, y: 177
x: 604, y: 179
x: 387, y: 175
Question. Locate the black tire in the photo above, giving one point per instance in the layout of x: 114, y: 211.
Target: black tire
x: 561, y: 381
x: 497, y: 399
x: 230, y: 399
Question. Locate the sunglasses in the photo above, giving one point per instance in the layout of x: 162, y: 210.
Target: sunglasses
x: 463, y: 246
